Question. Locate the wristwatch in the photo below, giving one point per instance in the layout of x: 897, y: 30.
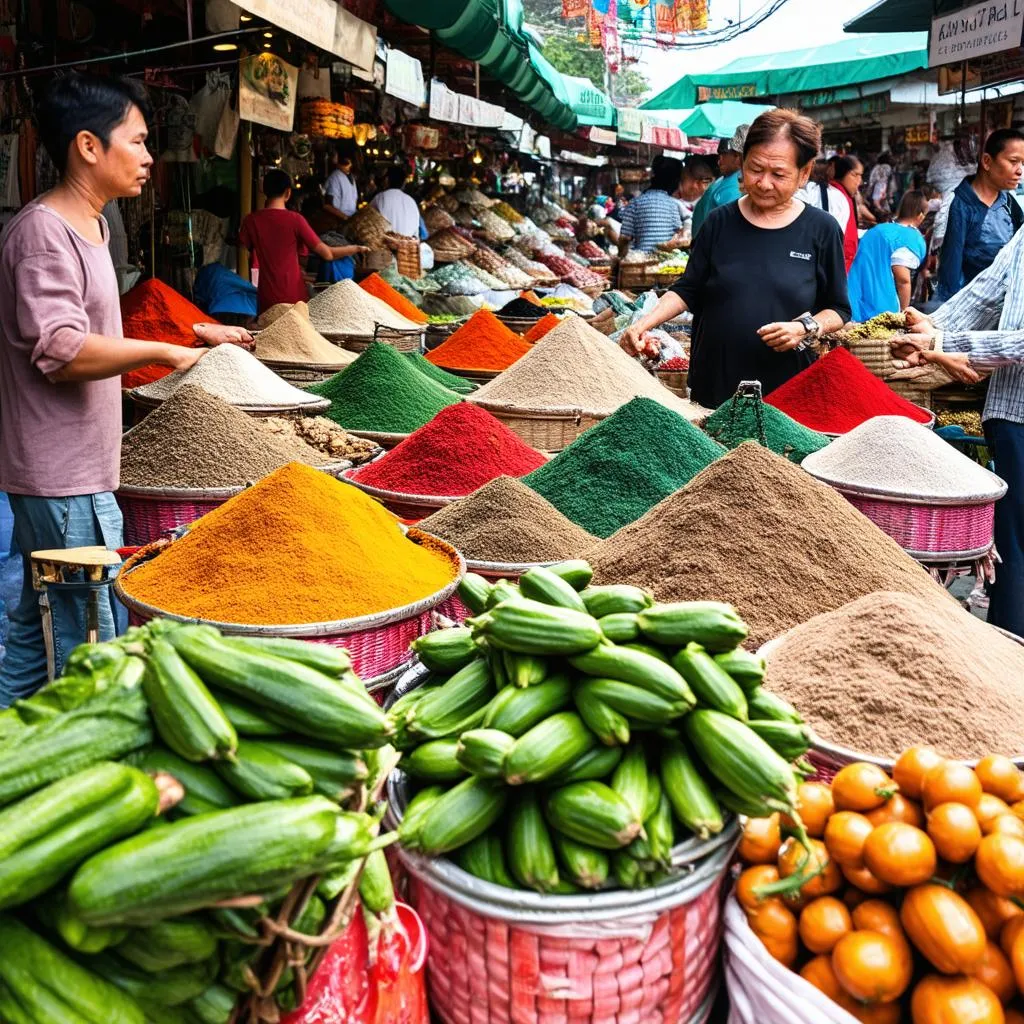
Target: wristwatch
x: 812, y: 331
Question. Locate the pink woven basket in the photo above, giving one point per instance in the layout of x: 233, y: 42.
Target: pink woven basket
x: 457, y: 611
x: 147, y: 518
x: 378, y: 644
x: 927, y: 530
x: 406, y: 506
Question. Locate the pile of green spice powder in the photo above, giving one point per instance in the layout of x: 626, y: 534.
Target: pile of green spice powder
x: 746, y: 418
x: 615, y: 472
x: 459, y: 385
x: 383, y: 392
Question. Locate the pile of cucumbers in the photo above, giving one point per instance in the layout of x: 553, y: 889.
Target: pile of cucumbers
x: 569, y: 736
x: 162, y: 798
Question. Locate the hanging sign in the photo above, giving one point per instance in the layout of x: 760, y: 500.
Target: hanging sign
x: 267, y: 87
x: 575, y: 8
x: 631, y: 124
x: 444, y: 103
x: 602, y: 136
x: 975, y: 32
x: 354, y: 39
x: 405, y: 79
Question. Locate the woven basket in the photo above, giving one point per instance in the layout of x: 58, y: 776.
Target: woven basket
x: 476, y: 376
x: 636, y: 275
x: 400, y: 340
x: 378, y: 258
x: 547, y: 430
x: 908, y: 389
x: 405, y: 506
x: 407, y: 255
x: 378, y: 643
x: 674, y: 380
x: 304, y: 373
x: 500, y: 954
x: 521, y: 324
x: 306, y: 409
x: 385, y: 440
x: 828, y: 757
x: 436, y: 333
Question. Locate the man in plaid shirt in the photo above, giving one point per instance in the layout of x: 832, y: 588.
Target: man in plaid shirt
x: 654, y: 217
x: 982, y: 328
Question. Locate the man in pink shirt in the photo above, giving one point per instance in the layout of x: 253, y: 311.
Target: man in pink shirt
x: 279, y: 236
x: 62, y: 355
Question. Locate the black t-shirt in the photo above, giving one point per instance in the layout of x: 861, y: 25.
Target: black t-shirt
x: 741, y: 277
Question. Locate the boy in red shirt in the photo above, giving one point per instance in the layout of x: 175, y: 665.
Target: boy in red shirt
x: 278, y: 235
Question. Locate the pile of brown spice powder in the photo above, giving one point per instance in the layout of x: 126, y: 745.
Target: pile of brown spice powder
x: 890, y: 670
x: 505, y: 521
x: 756, y: 531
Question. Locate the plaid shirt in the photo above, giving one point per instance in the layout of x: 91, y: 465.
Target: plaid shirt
x: 651, y: 219
x: 986, y: 320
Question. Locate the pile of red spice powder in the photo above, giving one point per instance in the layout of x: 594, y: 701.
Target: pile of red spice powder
x: 462, y: 448
x: 483, y: 342
x: 838, y: 393
x: 376, y: 286
x: 154, y: 311
x: 546, y: 323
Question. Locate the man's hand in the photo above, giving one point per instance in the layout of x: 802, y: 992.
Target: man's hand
x: 213, y: 335
x: 956, y: 364
x: 915, y: 318
x: 905, y: 346
x: 784, y: 336
x: 180, y: 358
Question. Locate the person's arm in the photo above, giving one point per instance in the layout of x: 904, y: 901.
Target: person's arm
x: 988, y: 350
x: 626, y: 231
x: 901, y: 275
x: 101, y: 357
x: 332, y: 210
x: 951, y: 255
x: 669, y: 306
x: 337, y: 252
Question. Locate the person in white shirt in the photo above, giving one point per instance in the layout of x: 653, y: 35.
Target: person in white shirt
x: 341, y: 197
x: 397, y: 208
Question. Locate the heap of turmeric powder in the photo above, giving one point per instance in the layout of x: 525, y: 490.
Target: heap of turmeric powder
x: 298, y: 547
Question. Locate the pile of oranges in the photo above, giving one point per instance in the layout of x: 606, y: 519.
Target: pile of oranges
x: 915, y: 908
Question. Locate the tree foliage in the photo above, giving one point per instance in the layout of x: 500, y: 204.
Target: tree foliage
x: 583, y: 61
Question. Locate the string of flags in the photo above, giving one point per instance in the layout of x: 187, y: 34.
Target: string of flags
x: 610, y: 23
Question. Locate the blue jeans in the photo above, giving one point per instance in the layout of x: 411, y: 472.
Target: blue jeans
x: 1006, y: 595
x: 41, y: 524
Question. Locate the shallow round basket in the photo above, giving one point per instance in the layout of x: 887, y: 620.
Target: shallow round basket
x: 350, y: 342
x: 458, y: 612
x: 405, y: 506
x: 385, y: 440
x: 436, y: 333
x: 829, y: 757
x: 304, y: 373
x: 476, y: 376
x: 400, y: 340
x: 521, y: 324
x: 504, y: 954
x: 930, y: 424
x: 674, y: 380
x: 547, y: 430
x: 145, y: 402
x: 378, y: 643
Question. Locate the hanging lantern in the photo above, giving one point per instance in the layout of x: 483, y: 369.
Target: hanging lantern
x: 361, y: 132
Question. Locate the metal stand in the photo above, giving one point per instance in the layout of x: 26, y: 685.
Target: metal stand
x: 51, y: 571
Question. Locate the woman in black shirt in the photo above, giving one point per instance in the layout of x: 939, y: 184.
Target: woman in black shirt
x: 766, y: 275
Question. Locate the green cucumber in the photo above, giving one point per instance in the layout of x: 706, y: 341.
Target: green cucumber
x: 531, y: 853
x: 259, y: 773
x: 711, y: 684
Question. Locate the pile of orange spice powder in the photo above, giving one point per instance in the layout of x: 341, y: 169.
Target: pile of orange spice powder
x: 483, y: 342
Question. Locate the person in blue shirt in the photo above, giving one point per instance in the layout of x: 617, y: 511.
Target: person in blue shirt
x: 983, y: 216
x: 725, y: 189
x: 888, y: 255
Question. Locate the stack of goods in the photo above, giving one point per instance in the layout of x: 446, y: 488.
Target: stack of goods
x: 460, y: 278
x: 382, y: 392
x: 542, y: 753
x: 505, y: 521
x: 576, y: 367
x: 459, y: 385
x: 298, y: 547
x: 509, y: 213
x: 679, y: 364
x: 451, y: 307
x: 893, y: 455
x: 345, y: 308
x: 913, y: 908
x: 881, y: 671
x: 149, y: 792
x: 837, y: 393
x: 291, y: 338
x: 565, y: 296
x: 324, y: 119
x: 537, y: 271
x: 593, y: 253
x: 482, y: 343
x: 495, y: 228
x: 560, y: 229
x: 376, y: 286
x: 758, y: 531
x: 447, y: 203
x: 548, y: 322
x: 367, y: 227
x: 410, y: 287
x: 435, y: 219
x: 883, y: 326
x: 465, y: 216
x: 490, y: 261
x: 197, y: 441
x: 154, y: 311
x: 232, y: 374
x: 449, y: 246
x: 673, y: 263
x: 614, y: 472
x: 559, y: 264
x: 460, y: 449
x: 525, y: 306
x: 323, y: 435
x: 749, y: 419
x: 472, y: 197
x: 488, y: 279
x: 583, y: 277
x: 276, y: 311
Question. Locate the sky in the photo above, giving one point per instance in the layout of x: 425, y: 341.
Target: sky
x: 797, y: 24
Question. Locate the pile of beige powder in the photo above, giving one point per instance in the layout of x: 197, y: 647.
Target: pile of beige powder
x: 345, y: 308
x: 890, y: 670
x: 291, y: 338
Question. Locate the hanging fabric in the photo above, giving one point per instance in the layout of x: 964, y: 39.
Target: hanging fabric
x: 208, y: 106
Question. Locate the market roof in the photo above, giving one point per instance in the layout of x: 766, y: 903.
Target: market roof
x: 901, y: 15
x: 849, y: 61
x: 719, y: 119
x: 590, y: 104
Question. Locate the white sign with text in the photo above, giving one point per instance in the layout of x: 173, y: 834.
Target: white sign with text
x: 976, y: 31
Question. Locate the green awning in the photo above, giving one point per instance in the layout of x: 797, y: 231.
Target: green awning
x: 591, y: 105
x: 720, y: 119
x: 902, y: 15
x: 849, y: 61
x: 549, y: 73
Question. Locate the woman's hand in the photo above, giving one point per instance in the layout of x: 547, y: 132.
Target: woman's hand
x: 637, y: 342
x: 213, y: 335
x: 177, y: 357
x: 956, y: 364
x: 783, y: 336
